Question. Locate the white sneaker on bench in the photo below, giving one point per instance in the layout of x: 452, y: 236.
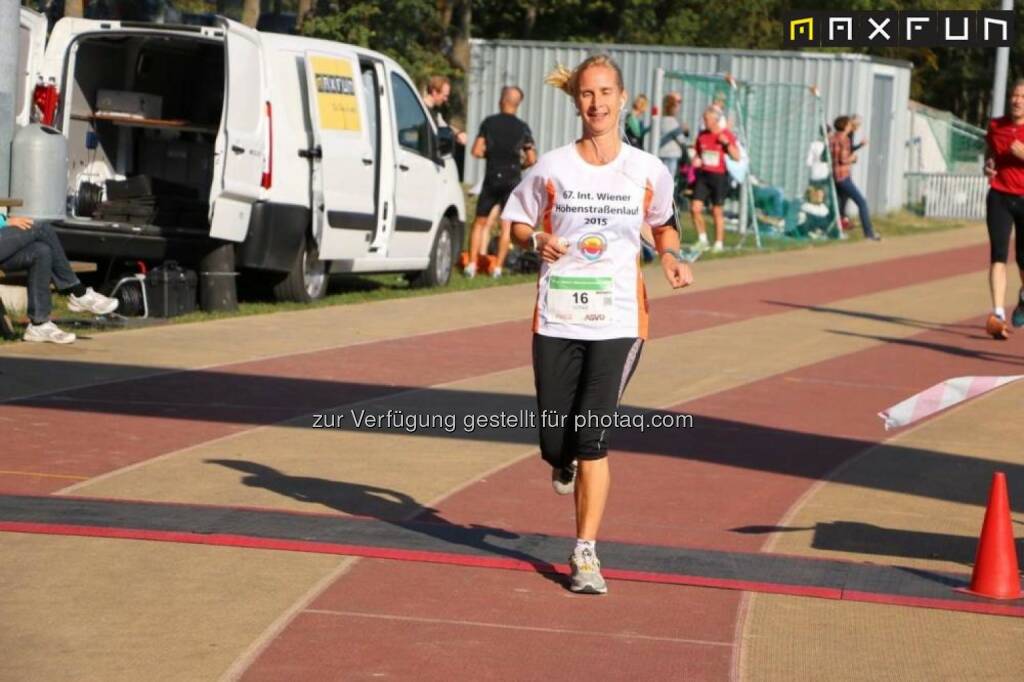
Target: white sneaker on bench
x: 47, y: 332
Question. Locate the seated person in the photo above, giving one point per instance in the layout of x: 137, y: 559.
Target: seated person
x: 815, y: 213
x: 29, y: 245
x: 769, y: 202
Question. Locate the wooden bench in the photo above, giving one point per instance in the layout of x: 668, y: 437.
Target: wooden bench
x: 6, y: 328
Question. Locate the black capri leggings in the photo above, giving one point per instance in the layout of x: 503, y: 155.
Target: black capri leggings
x: 582, y: 379
x: 1002, y: 212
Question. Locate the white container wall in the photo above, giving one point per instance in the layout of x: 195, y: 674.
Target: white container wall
x: 877, y: 89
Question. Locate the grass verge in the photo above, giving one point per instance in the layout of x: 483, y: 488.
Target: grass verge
x: 347, y: 290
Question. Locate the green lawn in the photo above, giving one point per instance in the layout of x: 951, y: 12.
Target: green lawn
x: 359, y: 289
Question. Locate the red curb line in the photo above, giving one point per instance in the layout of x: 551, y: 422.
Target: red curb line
x: 452, y: 559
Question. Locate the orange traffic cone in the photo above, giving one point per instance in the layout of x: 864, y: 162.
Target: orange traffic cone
x: 996, y: 573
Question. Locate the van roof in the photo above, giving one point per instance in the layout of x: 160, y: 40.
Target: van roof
x: 277, y: 41
x: 300, y: 43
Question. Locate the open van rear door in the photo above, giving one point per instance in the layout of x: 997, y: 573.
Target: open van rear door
x: 343, y: 159
x: 242, y: 139
x: 31, y: 46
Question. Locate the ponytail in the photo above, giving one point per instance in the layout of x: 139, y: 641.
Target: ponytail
x: 568, y: 81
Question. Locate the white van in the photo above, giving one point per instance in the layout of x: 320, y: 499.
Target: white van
x: 311, y: 156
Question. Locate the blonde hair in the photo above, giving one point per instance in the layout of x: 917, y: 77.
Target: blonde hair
x: 640, y: 100
x: 569, y: 81
x: 436, y: 84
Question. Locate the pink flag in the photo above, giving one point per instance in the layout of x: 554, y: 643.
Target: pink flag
x: 939, y: 397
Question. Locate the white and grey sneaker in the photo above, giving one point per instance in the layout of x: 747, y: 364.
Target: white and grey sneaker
x: 47, y: 332
x: 92, y: 302
x: 586, y: 573
x: 564, y: 480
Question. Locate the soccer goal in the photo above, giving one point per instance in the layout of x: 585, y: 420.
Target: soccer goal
x: 790, y: 162
x: 788, y: 192
x: 696, y: 92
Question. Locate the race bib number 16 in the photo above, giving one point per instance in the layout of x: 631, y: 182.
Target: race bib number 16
x: 580, y: 300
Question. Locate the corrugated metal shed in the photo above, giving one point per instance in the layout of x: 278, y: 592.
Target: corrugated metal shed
x: 877, y: 89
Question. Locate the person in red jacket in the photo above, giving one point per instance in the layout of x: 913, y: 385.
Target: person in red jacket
x: 1004, y: 207
x: 712, y: 183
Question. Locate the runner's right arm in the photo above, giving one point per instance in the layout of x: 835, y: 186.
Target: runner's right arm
x: 525, y: 208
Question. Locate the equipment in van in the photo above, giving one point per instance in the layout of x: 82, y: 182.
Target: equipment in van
x: 128, y: 104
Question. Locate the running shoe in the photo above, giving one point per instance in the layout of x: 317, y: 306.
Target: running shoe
x: 997, y: 328
x: 563, y: 480
x: 701, y: 245
x: 1017, y: 319
x: 92, y: 302
x: 586, y: 573
x: 47, y: 332
x: 718, y: 248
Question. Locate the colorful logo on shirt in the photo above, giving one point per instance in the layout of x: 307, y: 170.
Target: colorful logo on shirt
x: 592, y: 246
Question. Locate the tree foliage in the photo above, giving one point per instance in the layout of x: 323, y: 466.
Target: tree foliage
x: 432, y: 36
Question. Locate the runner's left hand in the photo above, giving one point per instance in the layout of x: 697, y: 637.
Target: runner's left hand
x: 676, y: 272
x: 1018, y: 149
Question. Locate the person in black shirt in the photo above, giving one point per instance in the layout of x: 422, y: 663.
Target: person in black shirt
x: 506, y: 142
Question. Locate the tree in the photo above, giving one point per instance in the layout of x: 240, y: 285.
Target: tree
x: 305, y: 6
x: 251, y: 13
x: 456, y: 18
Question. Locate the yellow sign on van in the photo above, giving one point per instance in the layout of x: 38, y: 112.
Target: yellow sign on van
x: 336, y: 94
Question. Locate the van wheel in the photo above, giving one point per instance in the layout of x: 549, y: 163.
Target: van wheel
x: 307, y: 280
x: 442, y: 256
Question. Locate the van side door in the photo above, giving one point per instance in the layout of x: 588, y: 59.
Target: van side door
x: 419, y: 181
x: 31, y: 46
x: 378, y: 107
x: 240, y: 153
x: 343, y: 162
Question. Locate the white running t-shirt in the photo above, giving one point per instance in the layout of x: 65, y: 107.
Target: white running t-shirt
x: 596, y: 290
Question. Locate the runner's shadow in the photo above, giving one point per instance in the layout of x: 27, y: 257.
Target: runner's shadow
x: 987, y: 356
x: 390, y: 506
x: 865, y: 538
x: 943, y: 327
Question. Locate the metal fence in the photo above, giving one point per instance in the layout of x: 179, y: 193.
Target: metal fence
x: 878, y: 89
x: 947, y: 195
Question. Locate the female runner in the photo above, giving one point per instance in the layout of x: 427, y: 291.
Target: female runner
x: 590, y: 200
x: 1005, y: 208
